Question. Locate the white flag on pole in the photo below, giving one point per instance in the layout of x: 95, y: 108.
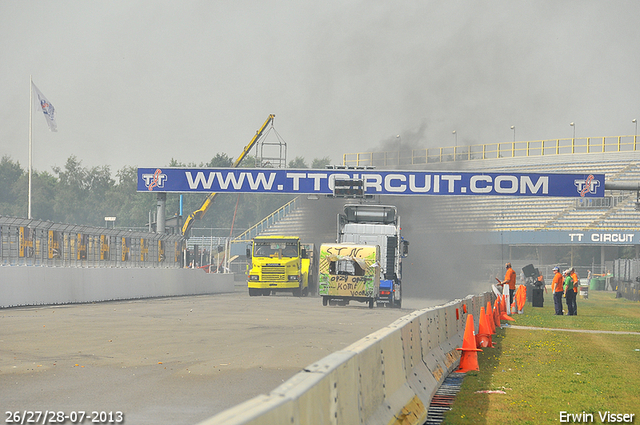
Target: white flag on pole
x: 46, y: 107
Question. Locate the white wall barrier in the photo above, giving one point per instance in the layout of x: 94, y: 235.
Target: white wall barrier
x: 387, y: 377
x: 27, y: 285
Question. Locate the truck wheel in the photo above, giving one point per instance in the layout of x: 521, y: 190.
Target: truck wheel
x: 305, y: 292
x: 253, y: 292
x: 325, y: 300
x: 297, y: 292
x: 266, y: 292
x: 370, y: 303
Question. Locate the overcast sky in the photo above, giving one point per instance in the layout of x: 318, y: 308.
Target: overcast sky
x: 140, y: 82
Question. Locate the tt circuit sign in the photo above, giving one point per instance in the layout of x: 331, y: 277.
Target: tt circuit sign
x: 376, y: 182
x: 557, y: 237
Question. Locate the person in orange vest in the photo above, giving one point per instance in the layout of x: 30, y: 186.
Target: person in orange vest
x: 510, y: 279
x: 556, y: 288
x: 576, y: 286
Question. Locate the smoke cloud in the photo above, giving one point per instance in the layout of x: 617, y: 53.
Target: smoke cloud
x: 134, y: 85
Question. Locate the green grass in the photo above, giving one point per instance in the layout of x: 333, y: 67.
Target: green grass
x: 602, y: 311
x: 545, y: 372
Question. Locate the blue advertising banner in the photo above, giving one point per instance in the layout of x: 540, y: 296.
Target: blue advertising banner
x: 376, y: 182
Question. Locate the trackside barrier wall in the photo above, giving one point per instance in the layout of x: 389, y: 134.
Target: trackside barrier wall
x: 26, y: 242
x: 29, y: 285
x: 387, y: 377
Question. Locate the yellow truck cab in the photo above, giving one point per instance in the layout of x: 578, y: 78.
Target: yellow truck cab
x: 349, y: 272
x: 278, y: 264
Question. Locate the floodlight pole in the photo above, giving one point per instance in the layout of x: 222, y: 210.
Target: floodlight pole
x: 30, y: 140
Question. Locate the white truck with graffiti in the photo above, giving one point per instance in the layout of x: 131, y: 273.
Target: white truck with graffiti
x: 349, y: 272
x: 378, y: 225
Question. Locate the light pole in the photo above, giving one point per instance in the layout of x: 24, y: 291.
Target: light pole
x: 635, y: 121
x: 574, y: 130
x: 513, y: 127
x: 455, y: 147
x: 399, y: 143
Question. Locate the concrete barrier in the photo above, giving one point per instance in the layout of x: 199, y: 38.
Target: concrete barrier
x: 387, y: 377
x: 26, y: 285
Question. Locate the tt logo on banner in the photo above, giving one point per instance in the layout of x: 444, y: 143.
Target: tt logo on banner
x: 587, y: 186
x: 156, y: 179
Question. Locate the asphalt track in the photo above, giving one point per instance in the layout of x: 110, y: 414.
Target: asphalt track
x: 170, y: 360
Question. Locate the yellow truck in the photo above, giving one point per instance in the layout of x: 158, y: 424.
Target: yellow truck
x: 278, y: 264
x: 349, y: 272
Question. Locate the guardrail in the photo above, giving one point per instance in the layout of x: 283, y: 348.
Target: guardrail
x: 44, y: 243
x: 208, y: 242
x: 387, y: 377
x: 493, y: 151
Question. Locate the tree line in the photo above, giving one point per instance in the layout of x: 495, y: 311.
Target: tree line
x: 76, y: 194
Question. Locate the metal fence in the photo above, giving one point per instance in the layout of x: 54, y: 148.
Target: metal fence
x: 626, y: 274
x: 44, y: 243
x: 493, y: 151
x: 600, y: 203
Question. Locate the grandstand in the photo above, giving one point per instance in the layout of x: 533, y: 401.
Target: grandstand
x: 618, y: 158
x: 474, y: 235
x: 314, y: 219
x: 615, y: 212
x: 498, y: 222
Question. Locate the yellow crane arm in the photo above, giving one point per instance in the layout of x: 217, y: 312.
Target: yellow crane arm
x: 199, y: 213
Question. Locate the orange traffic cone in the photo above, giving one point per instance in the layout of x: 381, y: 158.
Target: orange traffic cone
x: 504, y: 315
x: 469, y: 358
x: 521, y: 297
x: 496, y: 313
x: 489, y: 313
x: 483, y: 338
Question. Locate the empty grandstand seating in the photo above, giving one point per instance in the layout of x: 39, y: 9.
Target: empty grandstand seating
x: 497, y: 213
x: 469, y: 213
x: 311, y: 219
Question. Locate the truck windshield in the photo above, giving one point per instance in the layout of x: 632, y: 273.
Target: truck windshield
x: 275, y: 249
x: 346, y: 266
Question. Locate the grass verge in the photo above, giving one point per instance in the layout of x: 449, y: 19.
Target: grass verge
x: 546, y: 372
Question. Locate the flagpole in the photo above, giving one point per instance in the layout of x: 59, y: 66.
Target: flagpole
x: 30, y: 139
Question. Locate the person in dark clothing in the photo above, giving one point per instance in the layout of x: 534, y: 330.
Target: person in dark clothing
x: 569, y: 293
